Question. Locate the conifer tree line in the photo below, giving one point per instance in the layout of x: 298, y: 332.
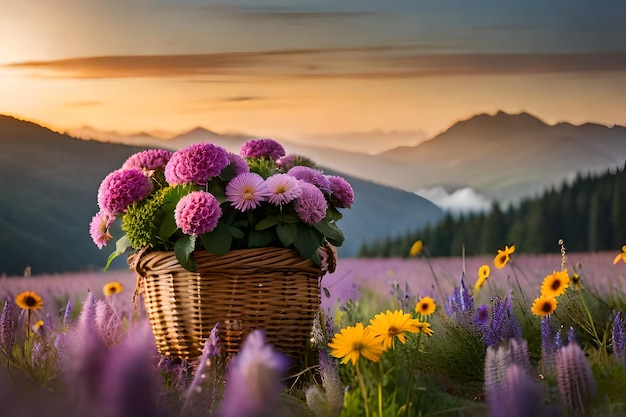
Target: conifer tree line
x: 588, y: 213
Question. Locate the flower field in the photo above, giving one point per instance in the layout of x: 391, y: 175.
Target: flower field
x: 519, y: 335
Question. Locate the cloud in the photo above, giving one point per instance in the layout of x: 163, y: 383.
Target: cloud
x: 463, y: 200
x: 376, y: 62
x: 240, y: 98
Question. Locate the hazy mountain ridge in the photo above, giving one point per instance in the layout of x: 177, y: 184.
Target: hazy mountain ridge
x: 50, y: 184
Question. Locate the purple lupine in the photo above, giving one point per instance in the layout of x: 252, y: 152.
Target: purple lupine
x: 210, y: 350
x: 129, y: 383
x: 254, y: 376
x: 461, y: 301
x: 618, y: 338
x: 331, y: 382
x: 68, y: 313
x: 503, y: 324
x: 9, y: 322
x: 108, y: 323
x: 574, y: 378
x: 548, y: 348
x: 516, y: 396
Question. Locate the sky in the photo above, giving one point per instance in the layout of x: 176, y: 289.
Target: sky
x: 308, y: 69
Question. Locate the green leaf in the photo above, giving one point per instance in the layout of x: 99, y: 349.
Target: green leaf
x: 219, y: 240
x: 168, y: 226
x: 183, y: 248
x: 235, y: 232
x: 218, y: 191
x: 308, y: 241
x: 287, y: 233
x: 120, y: 247
x: 329, y: 229
x: 260, y: 238
x: 267, y: 222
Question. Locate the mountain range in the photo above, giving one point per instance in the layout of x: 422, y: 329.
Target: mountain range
x: 50, y: 182
x: 501, y: 157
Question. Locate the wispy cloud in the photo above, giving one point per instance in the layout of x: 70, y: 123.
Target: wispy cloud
x: 240, y: 99
x: 328, y: 63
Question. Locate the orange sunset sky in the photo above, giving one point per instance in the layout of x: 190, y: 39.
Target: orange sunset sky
x: 296, y: 69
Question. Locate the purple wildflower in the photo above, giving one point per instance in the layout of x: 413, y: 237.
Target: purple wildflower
x: 148, y: 160
x: 99, y: 228
x: 197, y: 213
x: 240, y: 164
x: 331, y: 381
x: 68, y: 313
x: 282, y: 188
x: 461, y: 301
x: 311, y: 206
x: 196, y: 163
x: 254, y: 379
x: 618, y: 337
x: 548, y: 348
x: 108, y: 324
x: 210, y: 350
x: 262, y: 148
x: 312, y: 176
x: 574, y: 378
x: 503, y: 324
x: 121, y: 188
x: 342, y: 194
x: 289, y: 161
x: 9, y: 322
x: 482, y: 315
x: 517, y: 396
x: 246, y: 191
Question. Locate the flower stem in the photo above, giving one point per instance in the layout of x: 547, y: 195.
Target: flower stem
x: 434, y: 275
x: 363, y: 389
x: 594, y: 332
x: 380, y: 390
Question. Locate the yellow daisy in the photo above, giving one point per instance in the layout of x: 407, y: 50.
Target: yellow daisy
x: 483, y: 274
x: 387, y: 326
x: 555, y: 284
x: 425, y: 306
x: 29, y: 300
x: 542, y: 306
x: 112, y: 287
x: 621, y: 256
x: 503, y: 257
x: 416, y: 248
x: 424, y: 327
x: 355, y: 341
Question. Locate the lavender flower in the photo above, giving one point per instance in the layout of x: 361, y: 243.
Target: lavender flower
x: 311, y: 206
x: 197, y: 213
x: 574, y: 378
x: 108, y: 324
x: 331, y: 382
x: 9, y: 322
x: 262, y: 148
x: 516, y: 396
x: 210, y: 350
x: 548, y: 348
x: 148, y: 160
x: 68, y: 313
x: 461, y: 301
x: 196, y: 163
x: 311, y: 176
x: 482, y: 316
x: 282, y: 188
x: 99, y: 228
x: 503, y: 324
x: 121, y: 188
x: 342, y: 194
x: 246, y: 191
x: 239, y: 164
x: 253, y: 382
x: 618, y: 337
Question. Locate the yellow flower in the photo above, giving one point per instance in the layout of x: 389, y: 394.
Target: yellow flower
x: 424, y: 327
x: 543, y: 305
x: 417, y: 247
x: 555, y: 284
x: 37, y: 325
x: 29, y: 300
x: 112, y: 287
x: 503, y: 257
x: 621, y: 256
x: 425, y: 306
x: 354, y: 341
x: 386, y: 326
x: 483, y: 274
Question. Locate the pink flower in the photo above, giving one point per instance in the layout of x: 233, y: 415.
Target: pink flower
x: 246, y: 191
x: 239, y: 163
x: 282, y: 188
x: 148, y: 160
x: 262, y: 148
x: 196, y: 163
x: 99, y: 228
x: 121, y: 188
x: 311, y: 206
x: 197, y: 213
x: 342, y: 194
x: 312, y: 176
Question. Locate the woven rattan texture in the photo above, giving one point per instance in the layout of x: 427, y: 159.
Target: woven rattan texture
x: 266, y: 288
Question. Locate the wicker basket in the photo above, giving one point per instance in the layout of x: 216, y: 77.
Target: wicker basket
x: 265, y: 288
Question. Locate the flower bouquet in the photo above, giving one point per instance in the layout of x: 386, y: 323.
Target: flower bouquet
x: 220, y: 238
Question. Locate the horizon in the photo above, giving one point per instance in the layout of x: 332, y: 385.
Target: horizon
x: 306, y: 73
